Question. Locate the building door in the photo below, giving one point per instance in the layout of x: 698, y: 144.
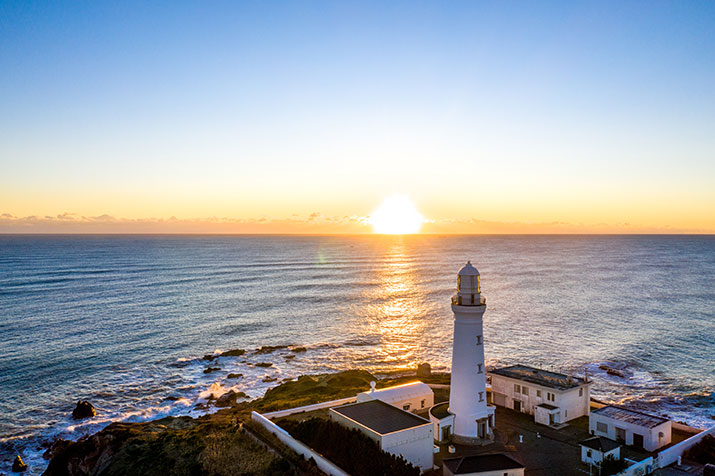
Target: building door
x: 621, y: 434
x: 638, y: 440
x: 517, y: 405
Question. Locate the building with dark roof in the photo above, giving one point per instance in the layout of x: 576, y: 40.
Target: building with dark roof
x: 553, y: 398
x: 642, y: 430
x: 483, y: 465
x: 595, y: 449
x: 396, y: 431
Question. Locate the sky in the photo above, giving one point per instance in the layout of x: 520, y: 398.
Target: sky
x: 302, y: 117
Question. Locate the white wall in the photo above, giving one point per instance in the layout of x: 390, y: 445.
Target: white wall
x: 670, y: 455
x: 414, y: 402
x: 597, y: 456
x: 569, y: 402
x: 639, y: 469
x: 439, y: 425
x: 309, y: 408
x: 416, y: 445
x: 651, y: 439
x: 323, y: 464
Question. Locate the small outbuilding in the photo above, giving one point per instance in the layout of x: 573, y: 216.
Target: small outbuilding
x: 483, y: 465
x: 596, y: 449
x: 631, y: 427
x: 410, y: 397
x: 397, y: 431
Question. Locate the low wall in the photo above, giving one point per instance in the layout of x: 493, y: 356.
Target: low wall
x: 323, y: 464
x: 639, y: 469
x: 310, y: 408
x: 670, y: 455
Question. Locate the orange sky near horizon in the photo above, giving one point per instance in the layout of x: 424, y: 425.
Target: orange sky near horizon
x: 300, y: 118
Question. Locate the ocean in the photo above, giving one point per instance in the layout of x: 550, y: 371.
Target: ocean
x: 123, y: 321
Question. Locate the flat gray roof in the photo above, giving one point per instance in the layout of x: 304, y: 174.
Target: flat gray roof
x: 630, y: 416
x: 479, y: 463
x: 541, y: 377
x: 379, y: 416
x: 600, y: 443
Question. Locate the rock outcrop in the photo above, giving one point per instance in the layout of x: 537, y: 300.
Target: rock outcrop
x: 424, y: 370
x: 83, y: 410
x: 18, y: 465
x: 233, y: 353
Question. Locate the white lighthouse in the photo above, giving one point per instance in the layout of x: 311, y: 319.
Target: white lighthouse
x: 473, y: 419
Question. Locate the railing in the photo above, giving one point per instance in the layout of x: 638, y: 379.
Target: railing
x: 459, y: 301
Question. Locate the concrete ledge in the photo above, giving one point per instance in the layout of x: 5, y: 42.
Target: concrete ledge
x: 472, y: 441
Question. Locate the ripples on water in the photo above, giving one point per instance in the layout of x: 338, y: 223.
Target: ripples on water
x: 123, y: 321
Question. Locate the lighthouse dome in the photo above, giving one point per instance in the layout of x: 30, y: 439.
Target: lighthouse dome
x: 468, y: 270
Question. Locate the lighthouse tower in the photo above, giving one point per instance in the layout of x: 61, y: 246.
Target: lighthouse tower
x: 473, y: 419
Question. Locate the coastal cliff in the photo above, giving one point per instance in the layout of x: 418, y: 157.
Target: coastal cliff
x: 214, y: 444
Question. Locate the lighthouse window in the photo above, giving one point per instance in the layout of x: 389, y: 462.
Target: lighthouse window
x: 479, y: 285
x: 580, y: 392
x: 481, y: 396
x: 459, y: 282
x: 479, y: 369
x: 479, y: 340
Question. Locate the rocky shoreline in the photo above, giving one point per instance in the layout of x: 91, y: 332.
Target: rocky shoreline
x: 210, y: 444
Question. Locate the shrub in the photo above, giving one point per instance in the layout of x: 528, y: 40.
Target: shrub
x: 703, y: 452
x: 350, y: 449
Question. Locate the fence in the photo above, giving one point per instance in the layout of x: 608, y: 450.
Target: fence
x: 323, y: 464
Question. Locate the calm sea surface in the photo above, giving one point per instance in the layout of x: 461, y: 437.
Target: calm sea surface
x: 124, y: 321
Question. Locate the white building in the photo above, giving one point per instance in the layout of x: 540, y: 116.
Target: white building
x: 483, y: 465
x: 396, y: 431
x: 596, y: 449
x: 552, y: 398
x: 631, y: 427
x: 473, y: 420
x: 412, y: 396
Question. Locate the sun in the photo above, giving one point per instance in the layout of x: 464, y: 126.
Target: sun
x: 397, y: 215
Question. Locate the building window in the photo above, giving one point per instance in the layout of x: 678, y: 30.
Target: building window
x: 580, y: 392
x: 601, y: 427
x: 479, y: 369
x: 406, y: 407
x: 481, y: 396
x: 525, y: 390
x: 479, y: 340
x: 550, y: 397
x: 588, y: 453
x: 517, y: 388
x: 566, y: 413
x: 538, y: 393
x: 422, y: 403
